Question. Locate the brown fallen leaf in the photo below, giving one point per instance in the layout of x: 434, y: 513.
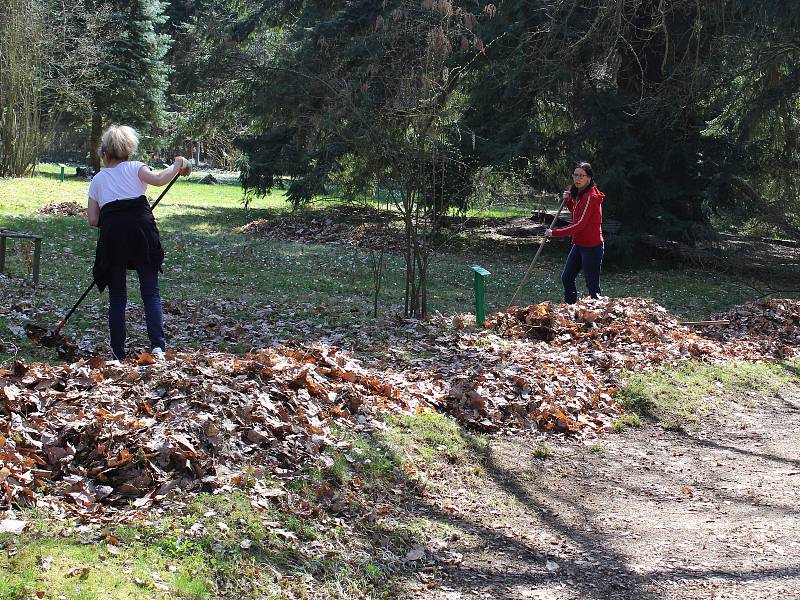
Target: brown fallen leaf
x: 113, y: 549
x: 415, y: 553
x: 80, y: 572
x: 145, y: 358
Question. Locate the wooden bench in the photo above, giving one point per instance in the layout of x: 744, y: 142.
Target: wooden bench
x: 546, y: 216
x: 37, y: 250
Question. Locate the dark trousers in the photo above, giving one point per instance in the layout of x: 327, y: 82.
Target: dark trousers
x: 590, y: 260
x: 118, y: 301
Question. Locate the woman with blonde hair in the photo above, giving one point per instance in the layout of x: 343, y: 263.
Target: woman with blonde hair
x: 129, y: 237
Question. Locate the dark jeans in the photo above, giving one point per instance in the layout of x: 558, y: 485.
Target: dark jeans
x: 118, y: 300
x: 588, y: 259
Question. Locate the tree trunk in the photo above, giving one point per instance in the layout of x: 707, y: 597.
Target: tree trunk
x: 94, y: 140
x: 377, y: 262
x: 408, y: 251
x: 20, y: 128
x: 424, y: 257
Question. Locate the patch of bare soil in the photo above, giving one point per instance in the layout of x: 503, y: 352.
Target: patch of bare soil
x: 732, y: 254
x: 364, y: 227
x: 709, y: 512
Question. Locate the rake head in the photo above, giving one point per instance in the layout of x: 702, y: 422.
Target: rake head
x: 52, y: 339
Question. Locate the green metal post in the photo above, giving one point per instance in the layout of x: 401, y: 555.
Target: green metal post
x: 61, y: 176
x: 480, y: 294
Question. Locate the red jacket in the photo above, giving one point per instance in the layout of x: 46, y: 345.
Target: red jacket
x: 587, y: 218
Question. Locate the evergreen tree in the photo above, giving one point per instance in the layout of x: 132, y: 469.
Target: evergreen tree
x: 367, y: 93
x: 685, y: 108
x: 130, y: 66
x: 211, y: 64
x: 680, y: 105
x: 753, y: 118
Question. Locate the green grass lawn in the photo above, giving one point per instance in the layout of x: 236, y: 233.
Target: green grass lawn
x: 322, y: 283
x: 676, y: 397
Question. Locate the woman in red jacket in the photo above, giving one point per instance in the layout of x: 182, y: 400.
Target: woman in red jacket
x: 585, y: 202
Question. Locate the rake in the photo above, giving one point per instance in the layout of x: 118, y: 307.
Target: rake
x: 535, y: 258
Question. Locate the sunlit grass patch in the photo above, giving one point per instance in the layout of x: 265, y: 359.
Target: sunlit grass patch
x: 68, y: 567
x: 324, y: 285
x: 692, y: 391
x: 409, y: 441
x: 428, y: 436
x: 541, y: 451
x: 624, y: 421
x: 220, y: 546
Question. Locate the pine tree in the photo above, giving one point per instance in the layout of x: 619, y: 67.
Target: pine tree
x: 211, y: 65
x: 684, y: 107
x: 677, y: 104
x: 367, y: 93
x: 130, y: 67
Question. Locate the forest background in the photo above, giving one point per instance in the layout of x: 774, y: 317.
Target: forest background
x: 687, y: 110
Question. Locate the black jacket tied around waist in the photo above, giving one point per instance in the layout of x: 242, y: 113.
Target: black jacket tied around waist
x: 128, y: 236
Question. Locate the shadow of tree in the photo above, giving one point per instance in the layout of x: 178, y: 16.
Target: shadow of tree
x: 619, y: 581
x: 706, y: 443
x: 792, y: 368
x: 601, y: 569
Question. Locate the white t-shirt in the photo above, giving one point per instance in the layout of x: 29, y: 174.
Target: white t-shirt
x: 117, y: 183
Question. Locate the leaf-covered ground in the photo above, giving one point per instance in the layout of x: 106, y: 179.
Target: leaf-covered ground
x: 367, y: 227
x: 98, y: 433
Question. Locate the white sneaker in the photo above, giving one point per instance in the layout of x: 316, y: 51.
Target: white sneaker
x: 157, y: 353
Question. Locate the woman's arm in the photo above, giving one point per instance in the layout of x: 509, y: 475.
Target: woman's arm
x: 569, y: 202
x: 580, y: 220
x: 180, y: 165
x: 93, y: 212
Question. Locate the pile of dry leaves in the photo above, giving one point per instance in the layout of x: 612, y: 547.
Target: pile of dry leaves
x: 93, y: 434
x: 564, y: 369
x: 773, y: 322
x: 107, y: 432
x: 764, y: 329
x: 64, y: 209
x: 375, y: 233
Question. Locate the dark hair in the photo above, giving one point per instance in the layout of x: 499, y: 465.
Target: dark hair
x: 573, y: 190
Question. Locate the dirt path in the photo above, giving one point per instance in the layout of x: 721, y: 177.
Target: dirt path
x: 710, y: 512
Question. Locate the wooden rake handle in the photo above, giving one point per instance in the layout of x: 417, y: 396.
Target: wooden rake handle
x: 536, y: 257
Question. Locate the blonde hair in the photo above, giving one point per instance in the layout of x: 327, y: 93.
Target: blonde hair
x: 119, y: 142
